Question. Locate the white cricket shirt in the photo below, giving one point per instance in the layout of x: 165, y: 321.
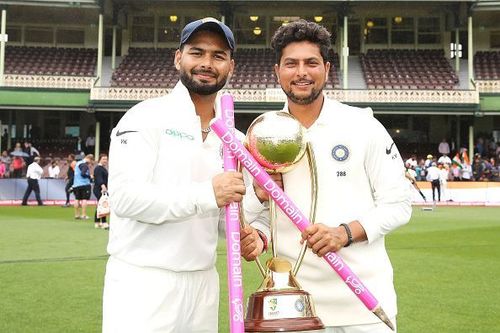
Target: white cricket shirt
x: 361, y: 177
x: 34, y: 171
x: 163, y: 208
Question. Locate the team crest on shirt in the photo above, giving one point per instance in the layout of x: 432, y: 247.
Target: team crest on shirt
x: 340, y: 153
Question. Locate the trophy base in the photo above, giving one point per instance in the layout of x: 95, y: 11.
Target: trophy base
x: 281, y: 311
x: 284, y: 325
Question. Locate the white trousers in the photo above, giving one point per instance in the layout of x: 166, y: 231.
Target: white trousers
x: 147, y: 300
x: 367, y: 328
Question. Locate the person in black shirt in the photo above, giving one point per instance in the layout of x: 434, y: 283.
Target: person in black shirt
x: 70, y: 175
x: 100, y: 186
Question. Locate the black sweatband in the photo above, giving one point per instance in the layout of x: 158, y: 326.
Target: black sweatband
x: 350, y: 240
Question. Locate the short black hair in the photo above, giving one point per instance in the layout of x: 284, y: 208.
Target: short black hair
x: 298, y: 31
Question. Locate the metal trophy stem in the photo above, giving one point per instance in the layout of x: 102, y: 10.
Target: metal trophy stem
x: 313, y: 171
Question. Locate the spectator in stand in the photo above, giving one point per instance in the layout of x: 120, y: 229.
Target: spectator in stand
x: 33, y: 174
x: 445, y: 160
x: 480, y: 146
x: 79, y: 145
x: 100, y: 186
x: 31, y: 151
x: 82, y: 187
x: 54, y: 169
x: 17, y: 167
x: 428, y: 161
x: 487, y: 170
x: 434, y: 176
x: 90, y: 144
x: 5, y: 139
x: 494, y: 169
x: 5, y: 159
x: 478, y: 167
x: 456, y: 167
x: 444, y: 147
x: 18, y: 147
x: 420, y: 169
x: 492, y: 147
x: 70, y: 174
x: 466, y: 166
x: 3, y: 170
x: 412, y: 161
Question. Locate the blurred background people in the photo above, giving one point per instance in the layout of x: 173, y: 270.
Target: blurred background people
x: 54, y: 169
x: 82, y: 186
x: 434, y: 176
x: 33, y: 174
x: 70, y: 174
x: 444, y: 147
x: 100, y: 186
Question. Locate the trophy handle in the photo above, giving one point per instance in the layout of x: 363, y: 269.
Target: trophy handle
x: 274, y: 231
x: 313, y: 171
x: 261, y: 268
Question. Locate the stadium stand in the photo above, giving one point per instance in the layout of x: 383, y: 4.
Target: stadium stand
x: 28, y: 60
x: 487, y: 65
x: 407, y: 69
x: 153, y: 68
x: 146, y: 67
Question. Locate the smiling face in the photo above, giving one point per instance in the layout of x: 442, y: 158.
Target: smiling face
x: 301, y: 72
x: 204, y: 63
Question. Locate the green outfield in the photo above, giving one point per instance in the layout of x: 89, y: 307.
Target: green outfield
x: 446, y: 263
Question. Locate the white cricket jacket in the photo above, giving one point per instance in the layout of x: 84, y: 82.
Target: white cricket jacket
x: 163, y: 208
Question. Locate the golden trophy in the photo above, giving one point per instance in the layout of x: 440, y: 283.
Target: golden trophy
x: 277, y: 141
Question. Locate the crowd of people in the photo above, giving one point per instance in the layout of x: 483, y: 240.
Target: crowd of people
x: 439, y: 170
x: 79, y: 172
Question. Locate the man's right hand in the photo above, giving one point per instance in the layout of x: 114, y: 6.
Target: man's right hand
x: 228, y: 187
x: 251, y: 243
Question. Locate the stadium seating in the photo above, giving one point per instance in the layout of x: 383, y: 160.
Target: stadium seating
x: 55, y: 147
x: 487, y: 65
x: 146, y: 67
x: 407, y: 69
x: 26, y: 60
x: 150, y: 68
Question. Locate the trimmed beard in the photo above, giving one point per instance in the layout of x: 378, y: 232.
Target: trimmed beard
x: 304, y: 100
x: 201, y: 88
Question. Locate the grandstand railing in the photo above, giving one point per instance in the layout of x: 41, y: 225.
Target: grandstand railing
x: 126, y: 94
x: 49, y: 81
x: 488, y: 86
x: 277, y: 95
x: 406, y: 96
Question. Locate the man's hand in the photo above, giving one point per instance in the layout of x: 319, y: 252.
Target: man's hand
x: 251, y: 243
x: 260, y: 193
x: 322, y: 239
x: 228, y: 187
